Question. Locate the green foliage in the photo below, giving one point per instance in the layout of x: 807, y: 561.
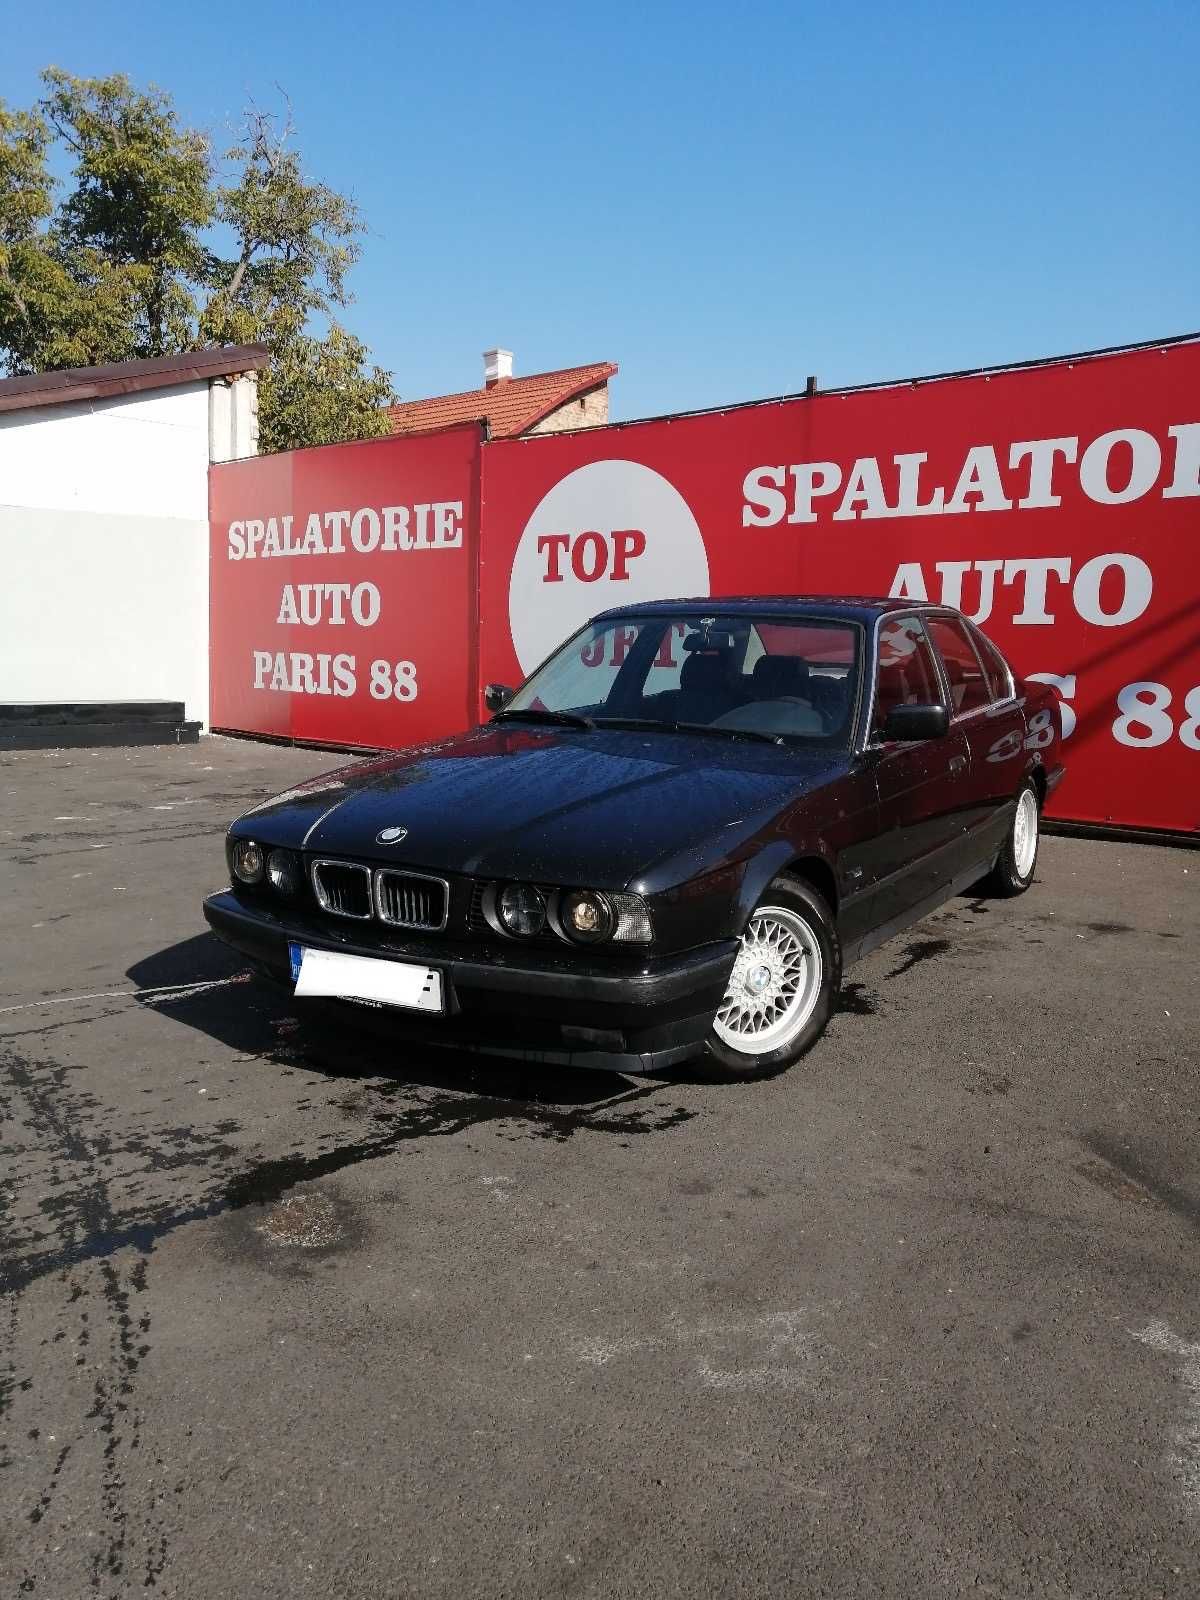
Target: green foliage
x: 317, y: 391
x: 125, y: 262
x: 25, y: 199
x: 140, y: 200
x: 41, y: 310
x: 297, y: 240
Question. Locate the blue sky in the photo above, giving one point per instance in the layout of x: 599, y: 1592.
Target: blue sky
x: 722, y: 198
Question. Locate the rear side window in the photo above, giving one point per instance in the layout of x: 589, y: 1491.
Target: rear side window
x: 969, y: 688
x: 906, y: 674
x: 995, y: 667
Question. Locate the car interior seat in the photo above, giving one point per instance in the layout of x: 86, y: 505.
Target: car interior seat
x: 831, y: 697
x: 704, y: 686
x: 780, y: 678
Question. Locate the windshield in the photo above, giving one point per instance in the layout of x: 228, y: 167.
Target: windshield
x: 789, y: 678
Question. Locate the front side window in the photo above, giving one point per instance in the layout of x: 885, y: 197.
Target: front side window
x: 793, y: 679
x: 906, y: 673
x: 969, y: 688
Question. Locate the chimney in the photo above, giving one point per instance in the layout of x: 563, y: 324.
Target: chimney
x: 497, y: 367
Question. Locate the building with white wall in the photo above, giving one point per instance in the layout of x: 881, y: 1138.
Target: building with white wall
x: 104, y: 526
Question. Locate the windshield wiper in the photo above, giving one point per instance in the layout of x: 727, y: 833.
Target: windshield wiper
x: 689, y: 727
x: 563, y: 719
x: 730, y: 733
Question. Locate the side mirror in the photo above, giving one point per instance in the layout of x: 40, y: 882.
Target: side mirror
x: 496, y: 696
x: 910, y: 723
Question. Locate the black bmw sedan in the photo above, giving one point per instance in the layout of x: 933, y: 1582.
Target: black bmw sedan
x: 667, y: 844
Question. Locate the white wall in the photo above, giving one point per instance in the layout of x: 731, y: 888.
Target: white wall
x: 104, y: 550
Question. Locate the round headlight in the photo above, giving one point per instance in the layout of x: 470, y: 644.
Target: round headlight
x: 587, y: 916
x: 281, y: 872
x: 522, y: 909
x: 247, y: 861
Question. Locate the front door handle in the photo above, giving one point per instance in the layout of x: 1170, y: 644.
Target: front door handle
x: 958, y: 764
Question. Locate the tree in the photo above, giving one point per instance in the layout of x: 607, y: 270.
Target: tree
x: 140, y: 202
x: 296, y: 241
x: 126, y: 262
x: 43, y: 318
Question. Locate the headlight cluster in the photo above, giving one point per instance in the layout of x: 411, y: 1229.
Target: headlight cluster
x: 252, y: 865
x: 584, y: 916
x: 587, y: 916
x: 522, y: 910
x: 246, y: 861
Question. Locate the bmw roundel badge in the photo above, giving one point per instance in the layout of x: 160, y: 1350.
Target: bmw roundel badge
x: 391, y: 835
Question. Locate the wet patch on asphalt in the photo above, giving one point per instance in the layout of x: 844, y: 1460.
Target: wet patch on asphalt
x: 921, y: 950
x: 90, y: 1213
x: 287, y: 1234
x: 102, y: 1330
x: 112, y: 1188
x: 988, y: 1083
x: 856, y: 1000
x: 1133, y: 1171
x: 1111, y: 1180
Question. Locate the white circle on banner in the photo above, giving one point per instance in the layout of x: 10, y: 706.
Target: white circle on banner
x: 608, y: 534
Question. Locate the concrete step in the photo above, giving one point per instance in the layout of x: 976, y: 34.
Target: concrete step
x: 26, y: 725
x: 73, y: 712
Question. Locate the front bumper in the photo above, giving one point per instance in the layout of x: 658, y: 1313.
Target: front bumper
x: 629, y: 1013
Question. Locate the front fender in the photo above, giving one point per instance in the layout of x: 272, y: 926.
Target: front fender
x: 789, y: 855
x: 716, y: 904
x: 760, y: 871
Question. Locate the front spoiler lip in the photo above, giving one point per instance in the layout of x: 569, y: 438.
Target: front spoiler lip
x: 261, y: 934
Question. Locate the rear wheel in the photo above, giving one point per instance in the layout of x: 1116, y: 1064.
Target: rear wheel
x: 780, y: 992
x: 1013, y: 872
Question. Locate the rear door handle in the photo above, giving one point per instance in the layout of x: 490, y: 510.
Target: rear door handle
x: 958, y: 764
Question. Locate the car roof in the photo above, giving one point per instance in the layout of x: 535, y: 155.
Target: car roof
x: 850, y: 608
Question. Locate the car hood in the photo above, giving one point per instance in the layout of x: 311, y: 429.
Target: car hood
x: 597, y: 807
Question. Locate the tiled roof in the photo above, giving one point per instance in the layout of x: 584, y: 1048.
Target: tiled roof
x: 510, y: 407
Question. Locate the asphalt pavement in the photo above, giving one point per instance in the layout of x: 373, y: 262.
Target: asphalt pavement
x: 293, y: 1310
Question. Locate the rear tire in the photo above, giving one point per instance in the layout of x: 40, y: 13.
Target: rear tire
x: 1014, y: 870
x: 782, y: 988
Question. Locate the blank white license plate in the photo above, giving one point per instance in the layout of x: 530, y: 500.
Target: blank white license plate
x: 346, y: 977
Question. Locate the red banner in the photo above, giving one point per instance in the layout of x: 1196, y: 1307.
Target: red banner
x: 355, y: 599
x: 342, y: 591
x: 1058, y: 505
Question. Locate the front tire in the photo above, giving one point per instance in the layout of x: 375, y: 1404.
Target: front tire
x: 781, y: 990
x: 1013, y: 872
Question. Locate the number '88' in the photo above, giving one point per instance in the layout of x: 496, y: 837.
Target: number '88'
x: 398, y: 682
x: 1144, y: 720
